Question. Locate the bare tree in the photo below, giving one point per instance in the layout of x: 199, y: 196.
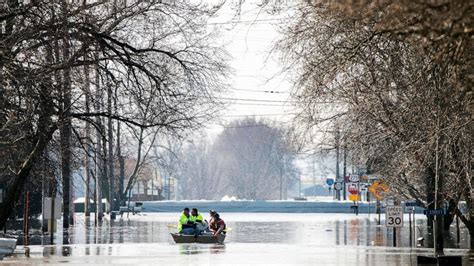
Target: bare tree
x: 161, y: 63
x: 256, y: 160
x: 405, y: 111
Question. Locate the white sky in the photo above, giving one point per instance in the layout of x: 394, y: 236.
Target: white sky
x: 249, y: 40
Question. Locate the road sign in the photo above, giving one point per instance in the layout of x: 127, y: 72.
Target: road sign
x: 411, y: 204
x: 378, y: 189
x: 353, y: 188
x: 338, y: 186
x: 330, y: 181
x: 354, y: 178
x: 436, y: 212
x: 354, y: 197
x: 394, y: 216
x: 363, y: 186
x: 373, y: 177
x: 48, y: 208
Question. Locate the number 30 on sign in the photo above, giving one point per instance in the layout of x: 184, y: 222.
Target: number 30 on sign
x: 394, y: 216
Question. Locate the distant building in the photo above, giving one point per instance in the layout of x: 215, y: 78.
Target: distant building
x: 148, y: 185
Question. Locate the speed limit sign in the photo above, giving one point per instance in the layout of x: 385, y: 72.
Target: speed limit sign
x: 394, y: 216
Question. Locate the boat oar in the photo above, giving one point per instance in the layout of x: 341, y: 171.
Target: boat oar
x: 228, y: 229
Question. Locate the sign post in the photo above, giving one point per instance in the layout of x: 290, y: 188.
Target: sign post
x: 330, y: 183
x: 51, y: 213
x: 410, y: 208
x: 354, y: 178
x: 394, y: 219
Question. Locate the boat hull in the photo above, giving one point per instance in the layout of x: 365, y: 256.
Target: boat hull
x: 205, y: 239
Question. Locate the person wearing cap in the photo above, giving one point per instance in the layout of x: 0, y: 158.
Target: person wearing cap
x: 186, y: 226
x: 216, y: 224
x: 196, y: 217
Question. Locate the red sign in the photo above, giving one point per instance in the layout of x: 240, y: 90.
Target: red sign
x: 353, y: 188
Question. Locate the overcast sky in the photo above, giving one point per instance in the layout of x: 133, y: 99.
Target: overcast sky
x: 258, y: 89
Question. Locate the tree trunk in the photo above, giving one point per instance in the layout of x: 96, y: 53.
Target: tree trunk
x: 66, y: 128
x: 110, y: 158
x: 430, y: 190
x: 88, y: 142
x: 105, y: 181
x: 122, y: 167
x: 41, y: 139
x: 87, y: 164
x: 449, y: 217
x: 470, y: 228
x: 98, y: 148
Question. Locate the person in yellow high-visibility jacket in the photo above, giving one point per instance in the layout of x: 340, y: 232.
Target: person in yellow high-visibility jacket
x: 186, y: 225
x: 201, y: 224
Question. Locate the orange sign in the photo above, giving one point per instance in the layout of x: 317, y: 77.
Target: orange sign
x: 354, y: 197
x: 378, y: 189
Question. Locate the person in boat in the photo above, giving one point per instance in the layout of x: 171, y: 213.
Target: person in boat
x: 201, y: 224
x: 186, y: 225
x: 216, y: 224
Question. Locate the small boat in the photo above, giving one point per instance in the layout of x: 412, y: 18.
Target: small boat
x: 204, y: 239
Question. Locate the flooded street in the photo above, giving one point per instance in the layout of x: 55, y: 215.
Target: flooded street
x: 254, y: 238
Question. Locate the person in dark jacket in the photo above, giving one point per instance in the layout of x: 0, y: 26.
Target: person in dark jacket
x: 216, y: 224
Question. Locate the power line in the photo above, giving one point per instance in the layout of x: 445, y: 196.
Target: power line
x: 261, y: 91
x: 248, y: 21
x: 287, y: 114
x: 263, y: 104
x: 254, y: 100
x: 272, y: 101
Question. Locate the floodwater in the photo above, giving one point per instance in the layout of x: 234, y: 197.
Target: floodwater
x: 254, y: 238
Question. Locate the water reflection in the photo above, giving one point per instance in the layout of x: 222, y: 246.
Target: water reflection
x: 335, y: 239
x: 194, y: 249
x: 66, y: 251
x: 333, y: 229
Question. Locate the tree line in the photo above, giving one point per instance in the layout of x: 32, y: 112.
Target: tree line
x: 79, y: 79
x: 250, y: 159
x: 391, y: 82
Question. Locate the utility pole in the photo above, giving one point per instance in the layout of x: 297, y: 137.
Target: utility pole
x: 281, y: 183
x: 344, y: 173
x: 314, y: 179
x: 338, y: 194
x: 169, y: 187
x: 438, y: 237
x: 299, y: 186
x: 282, y: 172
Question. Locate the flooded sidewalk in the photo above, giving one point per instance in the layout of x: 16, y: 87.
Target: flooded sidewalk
x: 254, y: 239
x: 227, y: 254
